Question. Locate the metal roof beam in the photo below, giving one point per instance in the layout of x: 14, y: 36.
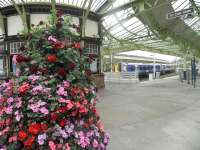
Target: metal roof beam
x: 85, y: 16
x: 122, y: 21
x: 105, y: 6
x: 122, y: 7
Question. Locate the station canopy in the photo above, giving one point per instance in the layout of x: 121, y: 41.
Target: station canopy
x: 142, y: 24
x: 96, y: 4
x: 145, y: 25
x: 150, y: 56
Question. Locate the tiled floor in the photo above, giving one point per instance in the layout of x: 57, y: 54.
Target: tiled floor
x: 157, y: 115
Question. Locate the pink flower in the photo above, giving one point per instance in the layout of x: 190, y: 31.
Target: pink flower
x: 83, y: 141
x: 67, y: 147
x: 9, y: 110
x: 61, y: 91
x: 62, y: 100
x: 41, y: 103
x: 44, y: 110
x: 3, y: 148
x: 12, y: 139
x: 95, y: 143
x: 52, y: 145
x: 19, y: 102
x: 66, y: 84
x: 70, y: 105
x: 33, y: 78
x: 42, y: 138
x: 59, y: 146
x: 1, y: 99
x: 24, y: 88
x: 36, y: 90
x: 18, y: 72
x: 18, y: 116
x: 10, y: 100
x: 34, y: 107
x: 52, y: 39
x: 4, y: 131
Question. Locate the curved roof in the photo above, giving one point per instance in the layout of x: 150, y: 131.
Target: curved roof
x: 132, y: 22
x: 126, y: 22
x: 96, y: 4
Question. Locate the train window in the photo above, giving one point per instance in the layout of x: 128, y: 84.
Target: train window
x: 130, y: 68
x: 157, y: 67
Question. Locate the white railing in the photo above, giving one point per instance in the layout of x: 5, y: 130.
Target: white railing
x: 121, y: 77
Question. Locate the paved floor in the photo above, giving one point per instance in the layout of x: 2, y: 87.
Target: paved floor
x: 158, y: 115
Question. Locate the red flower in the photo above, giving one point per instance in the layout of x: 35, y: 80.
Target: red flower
x: 86, y: 125
x: 78, y: 105
x: 52, y: 58
x: 24, y: 88
x: 100, y: 126
x: 83, y: 109
x: 54, y: 116
x: 92, y: 56
x: 12, y: 139
x: 8, y: 121
x: 63, y: 122
x: 33, y: 69
x: 70, y: 105
x: 77, y: 46
x: 34, y: 128
x: 85, y: 101
x: 22, y: 135
x: 74, y: 113
x: 62, y: 72
x: 59, y: 13
x: 62, y: 109
x: 29, y: 142
x: 90, y: 121
x: 21, y: 59
x: 44, y: 127
x: 58, y: 45
x: 27, y: 59
x: 44, y: 70
x: 88, y: 72
x: 71, y: 66
x: 75, y: 91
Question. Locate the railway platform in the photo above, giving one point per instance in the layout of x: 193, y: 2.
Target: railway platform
x: 152, y: 115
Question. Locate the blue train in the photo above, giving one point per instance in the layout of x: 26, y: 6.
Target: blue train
x: 144, y: 69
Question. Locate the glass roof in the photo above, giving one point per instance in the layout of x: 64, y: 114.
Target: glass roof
x: 194, y: 21
x: 96, y: 4
x: 125, y: 25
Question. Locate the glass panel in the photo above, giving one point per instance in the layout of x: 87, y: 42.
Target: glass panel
x: 93, y: 66
x: 91, y: 48
x: 96, y: 4
x: 14, y: 47
x: 2, y: 66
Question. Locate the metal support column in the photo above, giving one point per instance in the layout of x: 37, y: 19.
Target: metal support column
x: 193, y: 65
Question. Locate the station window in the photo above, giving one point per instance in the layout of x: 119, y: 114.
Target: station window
x: 91, y: 48
x: 3, y: 66
x: 14, y: 47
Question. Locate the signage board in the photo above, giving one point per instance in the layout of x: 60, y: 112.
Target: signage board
x: 181, y: 13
